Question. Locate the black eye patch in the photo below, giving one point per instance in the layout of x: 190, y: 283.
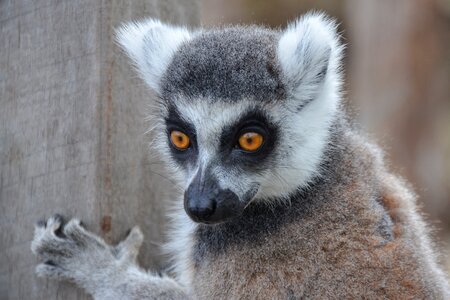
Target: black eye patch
x: 175, y: 122
x: 252, y: 121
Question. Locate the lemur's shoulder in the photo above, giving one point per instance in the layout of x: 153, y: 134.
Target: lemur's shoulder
x: 406, y: 256
x: 412, y: 235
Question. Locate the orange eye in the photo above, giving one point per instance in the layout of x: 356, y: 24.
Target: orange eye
x: 251, y: 141
x: 180, y: 140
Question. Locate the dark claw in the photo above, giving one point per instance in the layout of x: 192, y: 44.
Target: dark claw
x: 50, y: 263
x: 41, y: 223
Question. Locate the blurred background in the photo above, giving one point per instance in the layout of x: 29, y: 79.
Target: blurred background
x: 397, y: 68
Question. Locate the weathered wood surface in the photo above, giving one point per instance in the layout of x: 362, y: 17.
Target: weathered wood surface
x: 72, y: 131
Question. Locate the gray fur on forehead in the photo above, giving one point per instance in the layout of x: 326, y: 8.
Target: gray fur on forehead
x: 228, y: 64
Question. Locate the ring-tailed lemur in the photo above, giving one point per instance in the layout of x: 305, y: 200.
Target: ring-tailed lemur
x: 283, y: 200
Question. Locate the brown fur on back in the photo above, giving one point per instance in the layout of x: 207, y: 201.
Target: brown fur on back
x: 355, y: 233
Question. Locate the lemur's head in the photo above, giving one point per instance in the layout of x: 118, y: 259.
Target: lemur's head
x: 244, y: 112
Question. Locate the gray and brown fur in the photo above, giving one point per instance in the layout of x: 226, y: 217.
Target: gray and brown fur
x: 354, y: 233
x: 320, y: 214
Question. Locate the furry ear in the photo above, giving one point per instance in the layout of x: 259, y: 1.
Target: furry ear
x: 308, y: 52
x: 151, y: 45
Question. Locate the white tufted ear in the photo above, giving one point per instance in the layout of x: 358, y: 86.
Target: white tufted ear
x: 151, y: 45
x: 308, y: 52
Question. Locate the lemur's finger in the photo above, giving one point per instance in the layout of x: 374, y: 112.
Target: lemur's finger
x: 39, y: 230
x: 50, y: 242
x: 46, y: 242
x: 82, y: 237
x: 134, y: 239
x: 40, y: 227
x: 75, y: 232
x: 54, y: 223
x: 128, y: 249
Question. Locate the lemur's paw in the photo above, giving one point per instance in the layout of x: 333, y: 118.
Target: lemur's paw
x: 69, y: 251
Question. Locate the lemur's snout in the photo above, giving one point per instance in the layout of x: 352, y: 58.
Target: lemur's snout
x: 206, y: 202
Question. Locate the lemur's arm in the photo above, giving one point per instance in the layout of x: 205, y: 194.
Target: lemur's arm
x: 72, y: 253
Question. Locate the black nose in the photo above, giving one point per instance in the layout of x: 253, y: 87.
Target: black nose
x: 206, y: 202
x: 201, y: 211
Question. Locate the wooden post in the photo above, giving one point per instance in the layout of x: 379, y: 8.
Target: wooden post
x: 72, y: 131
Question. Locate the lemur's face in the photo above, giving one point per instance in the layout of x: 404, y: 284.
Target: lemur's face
x: 244, y: 111
x: 225, y: 151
